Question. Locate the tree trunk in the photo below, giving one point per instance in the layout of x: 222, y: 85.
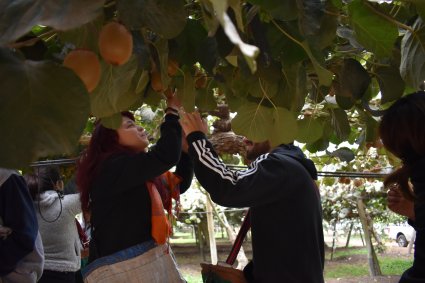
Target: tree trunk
x: 374, y: 268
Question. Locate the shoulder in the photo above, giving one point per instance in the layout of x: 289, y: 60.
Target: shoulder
x: 5, y: 175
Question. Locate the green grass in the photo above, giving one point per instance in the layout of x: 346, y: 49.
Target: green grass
x: 192, y: 278
x: 346, y: 270
x: 389, y: 265
x: 394, y: 266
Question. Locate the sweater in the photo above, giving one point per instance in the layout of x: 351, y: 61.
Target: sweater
x: 62, y: 247
x: 416, y: 273
x: 120, y: 202
x: 285, y: 209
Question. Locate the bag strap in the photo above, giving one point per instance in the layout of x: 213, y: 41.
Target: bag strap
x: 246, y: 225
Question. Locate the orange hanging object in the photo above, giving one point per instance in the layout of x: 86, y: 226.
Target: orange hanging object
x: 160, y: 226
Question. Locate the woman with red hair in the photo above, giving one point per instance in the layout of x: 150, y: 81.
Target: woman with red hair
x: 113, y: 174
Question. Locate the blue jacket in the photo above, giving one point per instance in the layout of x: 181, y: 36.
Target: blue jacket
x: 15, y: 201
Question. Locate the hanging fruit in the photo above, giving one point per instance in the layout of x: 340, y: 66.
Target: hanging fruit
x: 86, y: 65
x: 115, y: 43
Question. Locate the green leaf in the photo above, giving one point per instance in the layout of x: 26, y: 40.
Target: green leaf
x: 325, y: 76
x: 284, y: 128
x: 186, y: 90
x: 253, y: 121
x: 165, y: 17
x: 420, y: 7
x: 112, y: 122
x: 18, y: 17
x: 85, y: 36
x: 412, y: 65
x: 189, y: 42
x: 372, y: 30
x: 114, y: 92
x: 309, y: 130
x: 205, y: 100
x: 354, y: 79
x: 340, y: 124
x: 343, y: 153
x: 43, y: 110
x: 283, y: 48
x: 250, y: 52
x: 295, y: 90
x: 390, y: 82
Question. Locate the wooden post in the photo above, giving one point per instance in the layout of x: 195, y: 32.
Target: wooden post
x: 210, y: 221
x: 374, y: 268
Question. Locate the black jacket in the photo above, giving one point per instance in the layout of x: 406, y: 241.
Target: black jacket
x: 286, y: 215
x: 120, y: 202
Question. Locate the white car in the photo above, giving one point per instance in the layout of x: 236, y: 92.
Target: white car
x: 401, y: 233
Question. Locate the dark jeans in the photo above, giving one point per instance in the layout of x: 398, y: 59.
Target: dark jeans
x: 57, y: 277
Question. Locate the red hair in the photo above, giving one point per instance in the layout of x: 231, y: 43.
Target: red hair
x: 103, y: 143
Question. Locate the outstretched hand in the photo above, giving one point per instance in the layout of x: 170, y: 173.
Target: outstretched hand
x: 400, y: 205
x: 192, y: 122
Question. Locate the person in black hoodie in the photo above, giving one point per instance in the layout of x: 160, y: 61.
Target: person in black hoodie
x: 279, y: 188
x: 402, y: 133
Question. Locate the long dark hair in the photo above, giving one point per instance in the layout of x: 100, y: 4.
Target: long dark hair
x: 403, y: 134
x: 42, y: 179
x: 103, y: 143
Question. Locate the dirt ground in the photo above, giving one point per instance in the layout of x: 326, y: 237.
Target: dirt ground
x: 188, y: 259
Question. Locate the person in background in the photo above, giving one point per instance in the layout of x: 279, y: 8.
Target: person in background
x: 56, y: 217
x: 113, y: 173
x: 279, y: 188
x: 403, y: 134
x: 21, y: 250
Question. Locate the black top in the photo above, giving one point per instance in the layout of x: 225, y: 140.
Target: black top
x: 285, y: 209
x: 120, y: 202
x: 417, y: 272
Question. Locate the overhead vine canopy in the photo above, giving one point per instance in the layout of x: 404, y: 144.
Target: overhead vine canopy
x: 311, y: 70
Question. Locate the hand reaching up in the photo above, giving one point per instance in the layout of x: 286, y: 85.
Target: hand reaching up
x: 192, y: 122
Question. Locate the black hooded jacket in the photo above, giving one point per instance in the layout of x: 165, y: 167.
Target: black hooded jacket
x: 286, y: 214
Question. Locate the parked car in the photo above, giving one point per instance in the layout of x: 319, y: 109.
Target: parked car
x: 401, y: 233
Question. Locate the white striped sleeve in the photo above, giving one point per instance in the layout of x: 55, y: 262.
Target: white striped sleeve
x: 210, y: 161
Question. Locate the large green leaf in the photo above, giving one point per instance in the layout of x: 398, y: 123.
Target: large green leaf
x: 412, y: 65
x: 325, y: 76
x: 205, y: 100
x: 372, y: 30
x: 114, y: 92
x: 249, y: 51
x: 390, y: 83
x: 309, y: 130
x: 284, y: 128
x: 17, y: 17
x: 43, y: 110
x: 165, y: 17
x: 253, y: 121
